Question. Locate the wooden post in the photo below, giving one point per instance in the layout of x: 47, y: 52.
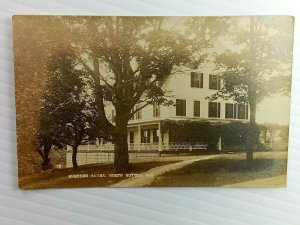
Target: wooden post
x: 139, y: 138
x: 159, y: 137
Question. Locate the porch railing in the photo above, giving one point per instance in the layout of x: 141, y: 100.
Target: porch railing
x: 171, y: 146
x: 175, y: 146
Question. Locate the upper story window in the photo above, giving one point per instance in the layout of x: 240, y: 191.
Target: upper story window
x: 214, y: 82
x: 214, y: 109
x: 236, y: 111
x: 156, y: 109
x: 197, y: 108
x: 138, y: 114
x: 180, y: 107
x: 196, y: 80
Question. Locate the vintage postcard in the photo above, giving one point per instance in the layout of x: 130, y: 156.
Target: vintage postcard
x: 116, y: 101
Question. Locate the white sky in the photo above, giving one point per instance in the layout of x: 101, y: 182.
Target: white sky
x: 275, y: 109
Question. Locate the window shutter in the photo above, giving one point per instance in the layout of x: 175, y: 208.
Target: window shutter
x: 197, y: 108
x: 201, y: 80
x: 234, y: 111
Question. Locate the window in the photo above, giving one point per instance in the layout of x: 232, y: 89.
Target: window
x: 145, y: 136
x: 196, y: 80
x: 131, y: 137
x: 180, y: 107
x: 155, y: 135
x: 229, y: 111
x: 236, y: 111
x: 113, y: 116
x: 132, y: 117
x: 214, y: 82
x: 214, y: 109
x: 242, y: 112
x: 138, y: 114
x: 156, y: 110
x: 197, y: 108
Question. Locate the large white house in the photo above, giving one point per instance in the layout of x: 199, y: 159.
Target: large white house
x: 189, y: 91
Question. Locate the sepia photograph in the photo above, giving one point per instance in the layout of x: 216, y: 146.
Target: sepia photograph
x: 135, y: 101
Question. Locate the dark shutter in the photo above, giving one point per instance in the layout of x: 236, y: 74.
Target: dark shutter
x: 213, y: 109
x: 201, y: 80
x: 234, y: 111
x: 197, y: 108
x: 228, y: 110
x: 184, y: 107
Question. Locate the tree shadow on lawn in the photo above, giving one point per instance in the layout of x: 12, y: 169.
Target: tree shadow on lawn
x: 59, y: 178
x: 222, y: 171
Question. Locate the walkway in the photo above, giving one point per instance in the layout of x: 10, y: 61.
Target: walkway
x: 149, y: 176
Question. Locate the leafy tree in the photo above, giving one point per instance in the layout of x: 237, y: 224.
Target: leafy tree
x: 259, y: 67
x: 46, y: 138
x: 128, y: 58
x: 68, y: 113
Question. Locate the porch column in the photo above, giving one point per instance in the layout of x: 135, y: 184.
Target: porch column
x: 151, y: 134
x: 220, y: 143
x: 138, y: 143
x: 159, y: 137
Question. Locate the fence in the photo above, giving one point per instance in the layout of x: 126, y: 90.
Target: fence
x: 104, y: 153
x: 104, y: 157
x: 171, y: 146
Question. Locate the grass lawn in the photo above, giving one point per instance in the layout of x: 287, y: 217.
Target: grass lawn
x: 59, y: 178
x: 224, y: 170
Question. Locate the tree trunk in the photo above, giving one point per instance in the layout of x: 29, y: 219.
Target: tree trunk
x: 74, y: 156
x: 121, y: 161
x: 251, y: 131
x: 46, y: 160
x: 251, y: 94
